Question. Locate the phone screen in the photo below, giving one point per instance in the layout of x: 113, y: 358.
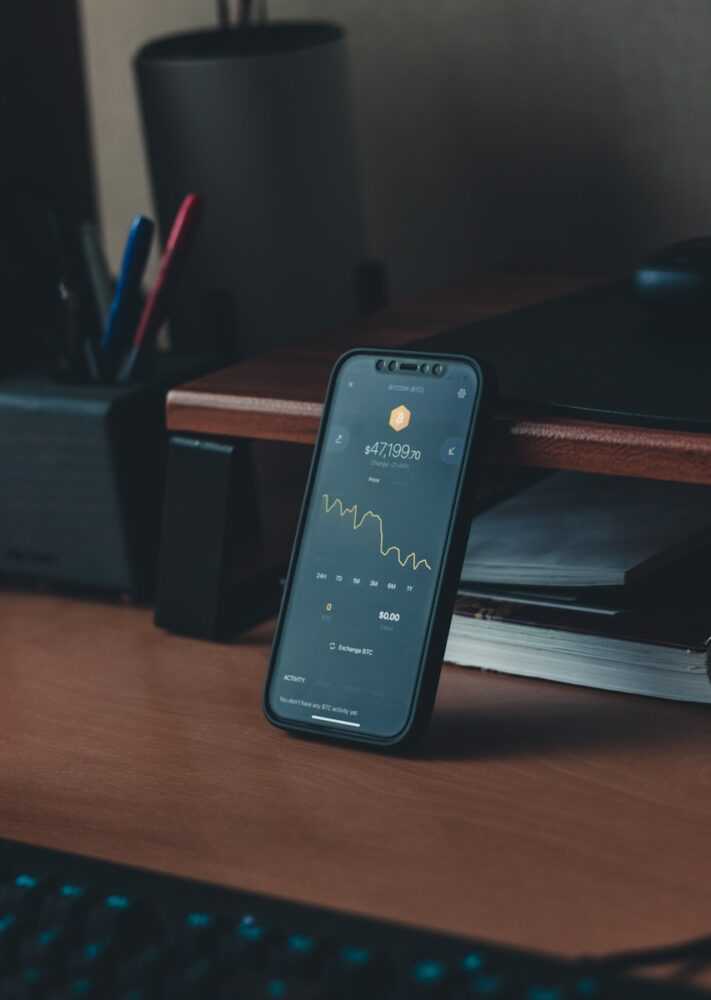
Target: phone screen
x: 366, y: 575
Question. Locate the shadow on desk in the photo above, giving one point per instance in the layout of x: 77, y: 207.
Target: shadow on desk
x: 484, y: 715
x: 541, y: 717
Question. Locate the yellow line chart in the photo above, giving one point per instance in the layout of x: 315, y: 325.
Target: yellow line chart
x: 357, y: 522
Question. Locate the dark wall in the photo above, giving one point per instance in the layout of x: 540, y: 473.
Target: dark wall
x: 569, y: 134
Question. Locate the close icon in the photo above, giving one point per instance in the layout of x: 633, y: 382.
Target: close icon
x: 451, y: 451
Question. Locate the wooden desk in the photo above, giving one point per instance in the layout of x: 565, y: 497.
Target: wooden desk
x: 538, y: 814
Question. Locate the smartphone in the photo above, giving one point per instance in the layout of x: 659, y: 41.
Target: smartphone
x: 379, y: 548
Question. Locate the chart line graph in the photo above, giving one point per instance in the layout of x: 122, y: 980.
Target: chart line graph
x: 357, y: 520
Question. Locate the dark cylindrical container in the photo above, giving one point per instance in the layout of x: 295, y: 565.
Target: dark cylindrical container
x: 258, y: 120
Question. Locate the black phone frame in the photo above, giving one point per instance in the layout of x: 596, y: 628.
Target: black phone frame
x: 433, y: 647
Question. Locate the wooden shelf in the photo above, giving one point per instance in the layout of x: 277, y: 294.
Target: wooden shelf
x: 278, y: 397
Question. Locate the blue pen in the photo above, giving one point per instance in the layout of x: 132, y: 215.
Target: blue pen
x: 126, y: 305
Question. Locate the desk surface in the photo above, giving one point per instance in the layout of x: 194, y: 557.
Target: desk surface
x: 537, y: 814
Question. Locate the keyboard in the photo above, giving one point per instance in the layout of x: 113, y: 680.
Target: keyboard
x: 73, y: 928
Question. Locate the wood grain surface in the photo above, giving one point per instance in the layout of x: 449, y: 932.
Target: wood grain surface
x: 536, y: 814
x: 278, y: 396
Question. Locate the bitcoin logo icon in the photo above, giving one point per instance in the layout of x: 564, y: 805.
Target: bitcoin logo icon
x: 400, y: 418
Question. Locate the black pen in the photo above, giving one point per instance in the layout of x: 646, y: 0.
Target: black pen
x: 97, y: 270
x: 77, y: 355
x: 71, y: 354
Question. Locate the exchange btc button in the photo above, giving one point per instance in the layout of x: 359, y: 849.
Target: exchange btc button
x: 452, y: 450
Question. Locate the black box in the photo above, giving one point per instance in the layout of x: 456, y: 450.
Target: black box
x: 81, y: 478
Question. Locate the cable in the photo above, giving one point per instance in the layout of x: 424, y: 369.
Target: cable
x: 693, y: 956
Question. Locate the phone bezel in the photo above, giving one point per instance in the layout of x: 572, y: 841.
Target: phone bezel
x: 425, y: 666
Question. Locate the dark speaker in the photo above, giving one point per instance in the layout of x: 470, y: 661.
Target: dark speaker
x: 213, y: 579
x: 257, y: 120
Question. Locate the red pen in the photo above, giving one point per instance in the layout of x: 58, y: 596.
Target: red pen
x: 157, y: 307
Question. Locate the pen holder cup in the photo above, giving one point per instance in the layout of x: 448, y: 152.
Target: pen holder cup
x: 82, y: 471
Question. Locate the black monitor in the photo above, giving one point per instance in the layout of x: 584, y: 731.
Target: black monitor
x: 46, y: 164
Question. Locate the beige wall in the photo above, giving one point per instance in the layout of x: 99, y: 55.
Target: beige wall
x: 541, y: 132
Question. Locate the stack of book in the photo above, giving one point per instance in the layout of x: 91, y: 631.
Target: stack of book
x: 591, y: 580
